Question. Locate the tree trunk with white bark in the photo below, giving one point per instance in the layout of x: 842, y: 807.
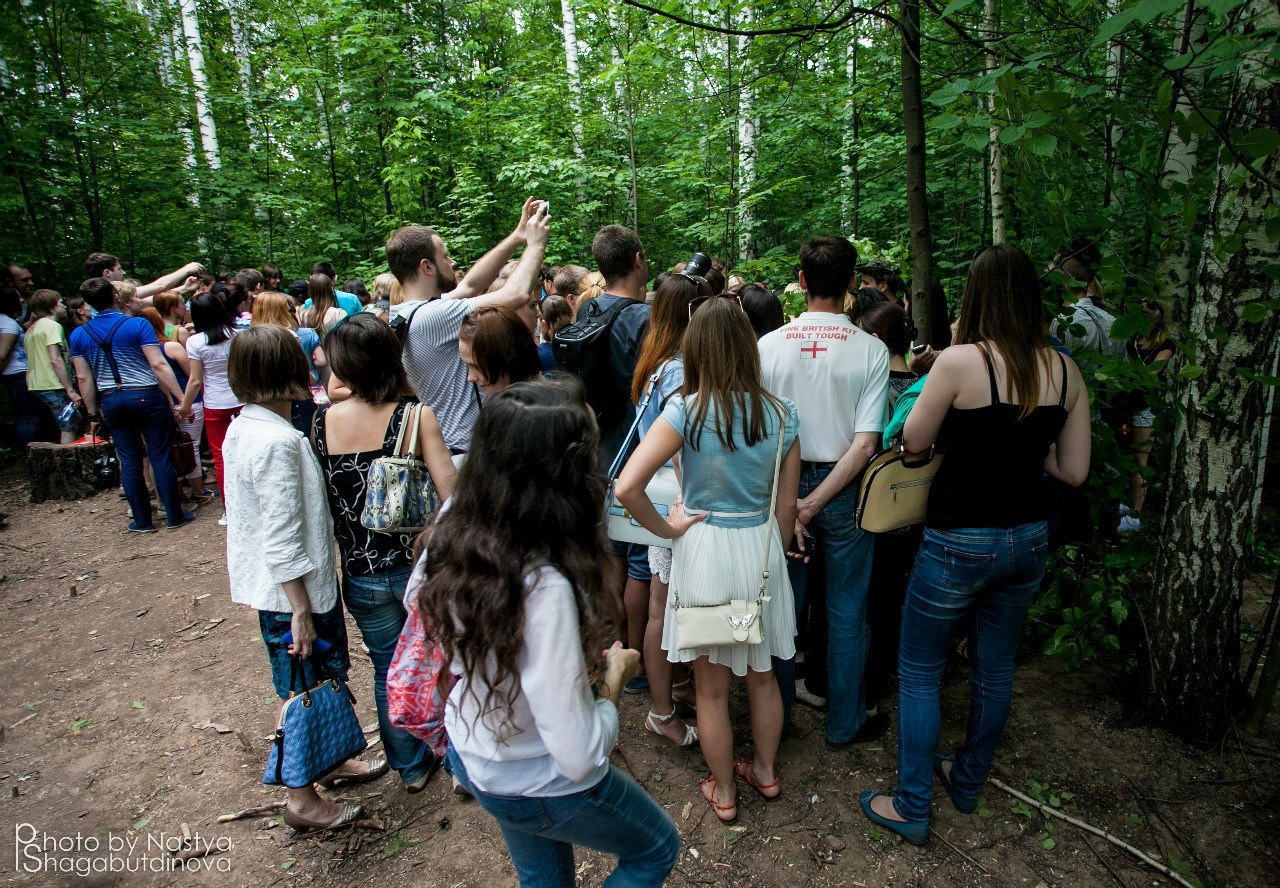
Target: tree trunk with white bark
x: 200, y: 84
x: 995, y: 157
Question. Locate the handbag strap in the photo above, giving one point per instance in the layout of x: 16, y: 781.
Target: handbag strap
x: 410, y: 417
x: 773, y: 504
x: 621, y: 457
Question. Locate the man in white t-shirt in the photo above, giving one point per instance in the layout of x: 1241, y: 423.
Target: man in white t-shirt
x: 436, y: 302
x: 838, y: 377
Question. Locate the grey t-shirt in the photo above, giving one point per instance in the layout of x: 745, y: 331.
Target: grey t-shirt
x: 437, y: 372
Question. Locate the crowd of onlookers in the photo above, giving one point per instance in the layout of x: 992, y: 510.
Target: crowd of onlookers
x: 520, y: 385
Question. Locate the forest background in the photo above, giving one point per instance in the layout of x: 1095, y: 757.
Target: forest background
x: 239, y: 132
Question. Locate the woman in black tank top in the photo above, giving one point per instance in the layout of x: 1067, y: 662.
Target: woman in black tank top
x: 986, y: 537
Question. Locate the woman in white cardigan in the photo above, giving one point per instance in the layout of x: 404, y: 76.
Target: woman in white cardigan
x: 280, y: 539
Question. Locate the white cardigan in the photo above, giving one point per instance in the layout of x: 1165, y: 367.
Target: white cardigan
x: 278, y: 522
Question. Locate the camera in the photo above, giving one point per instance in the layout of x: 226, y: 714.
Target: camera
x: 699, y: 264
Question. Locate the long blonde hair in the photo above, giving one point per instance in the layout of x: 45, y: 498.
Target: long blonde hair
x: 274, y: 308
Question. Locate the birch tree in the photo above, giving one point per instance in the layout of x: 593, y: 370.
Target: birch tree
x: 200, y: 84
x: 995, y: 156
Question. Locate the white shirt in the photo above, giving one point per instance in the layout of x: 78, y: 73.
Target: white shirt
x: 836, y: 374
x: 559, y: 738
x: 278, y: 523
x: 17, y: 362
x: 213, y: 359
x: 1097, y: 330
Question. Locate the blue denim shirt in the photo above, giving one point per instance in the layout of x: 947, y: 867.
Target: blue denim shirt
x: 669, y: 383
x: 717, y: 479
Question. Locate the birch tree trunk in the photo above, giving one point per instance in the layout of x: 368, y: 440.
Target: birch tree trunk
x: 917, y: 198
x: 849, y: 184
x: 200, y: 84
x: 1193, y: 617
x: 746, y: 151
x: 570, y: 29
x: 1115, y: 130
x: 242, y: 43
x: 1174, y: 269
x: 995, y: 158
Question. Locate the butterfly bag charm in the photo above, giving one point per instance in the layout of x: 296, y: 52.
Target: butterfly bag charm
x: 399, y: 495
x: 318, y: 730
x: 741, y: 620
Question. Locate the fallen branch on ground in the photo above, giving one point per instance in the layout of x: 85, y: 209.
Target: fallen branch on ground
x: 259, y: 811
x: 1101, y: 833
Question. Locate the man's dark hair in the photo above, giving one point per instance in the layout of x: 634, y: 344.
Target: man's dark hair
x: 568, y: 280
x: 407, y: 247
x: 271, y: 270
x: 614, y: 250
x: 827, y: 263
x: 96, y: 263
x: 99, y: 293
x: 250, y: 278
x: 324, y: 268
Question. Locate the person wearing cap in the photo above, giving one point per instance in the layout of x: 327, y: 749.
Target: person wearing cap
x: 882, y: 276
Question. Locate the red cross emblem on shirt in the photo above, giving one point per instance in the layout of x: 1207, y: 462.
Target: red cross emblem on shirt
x: 811, y: 349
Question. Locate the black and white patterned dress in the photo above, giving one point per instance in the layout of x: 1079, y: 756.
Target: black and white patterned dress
x: 364, y: 552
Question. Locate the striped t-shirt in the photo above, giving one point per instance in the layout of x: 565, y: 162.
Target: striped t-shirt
x: 127, y: 340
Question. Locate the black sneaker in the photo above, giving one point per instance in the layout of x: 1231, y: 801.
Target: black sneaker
x: 872, y: 729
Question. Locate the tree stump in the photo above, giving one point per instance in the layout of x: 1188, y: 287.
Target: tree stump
x: 70, y: 472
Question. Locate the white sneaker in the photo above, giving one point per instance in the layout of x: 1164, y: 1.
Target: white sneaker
x: 810, y: 699
x: 222, y: 522
x: 1129, y: 524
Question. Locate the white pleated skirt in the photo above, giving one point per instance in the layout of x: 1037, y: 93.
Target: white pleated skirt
x: 713, y: 565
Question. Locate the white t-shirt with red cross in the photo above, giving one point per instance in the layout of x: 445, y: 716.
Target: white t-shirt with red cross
x: 836, y: 374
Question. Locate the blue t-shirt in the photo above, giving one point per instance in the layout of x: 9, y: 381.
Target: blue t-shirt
x: 348, y: 302
x: 721, y: 480
x: 547, y: 358
x: 309, y: 339
x: 130, y: 335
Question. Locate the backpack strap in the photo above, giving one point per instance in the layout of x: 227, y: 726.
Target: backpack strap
x: 400, y: 326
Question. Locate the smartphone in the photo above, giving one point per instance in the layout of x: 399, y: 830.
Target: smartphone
x: 810, y: 547
x: 919, y: 349
x: 319, y: 645
x: 320, y: 396
x: 545, y: 208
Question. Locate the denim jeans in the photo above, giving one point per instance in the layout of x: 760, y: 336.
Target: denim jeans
x: 984, y: 577
x: 615, y: 816
x: 374, y: 601
x: 142, y: 425
x: 847, y: 556
x: 26, y: 409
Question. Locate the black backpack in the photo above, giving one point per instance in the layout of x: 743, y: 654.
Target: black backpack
x: 584, y: 349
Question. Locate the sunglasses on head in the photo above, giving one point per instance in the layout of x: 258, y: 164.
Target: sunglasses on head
x: 698, y: 302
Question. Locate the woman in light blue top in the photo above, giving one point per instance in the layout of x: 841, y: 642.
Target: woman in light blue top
x: 730, y: 433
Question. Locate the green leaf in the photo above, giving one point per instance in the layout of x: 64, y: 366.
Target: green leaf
x: 955, y: 6
x: 1042, y: 144
x: 1054, y: 99
x: 1191, y: 371
x: 947, y: 121
x: 974, y: 139
x: 1259, y: 142
x: 1181, y: 867
x: 139, y: 824
x: 1049, y: 843
x: 1011, y: 134
x: 139, y: 704
x: 288, y: 864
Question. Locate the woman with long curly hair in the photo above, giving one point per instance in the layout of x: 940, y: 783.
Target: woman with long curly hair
x: 522, y: 612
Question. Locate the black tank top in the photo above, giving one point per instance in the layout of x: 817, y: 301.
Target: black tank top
x: 993, y: 473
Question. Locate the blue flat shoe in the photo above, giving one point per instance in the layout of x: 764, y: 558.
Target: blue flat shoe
x: 915, y: 833
x: 964, y: 806
x: 134, y: 527
x: 638, y: 685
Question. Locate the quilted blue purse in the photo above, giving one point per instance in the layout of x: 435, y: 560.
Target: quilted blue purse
x: 399, y: 496
x: 318, y: 730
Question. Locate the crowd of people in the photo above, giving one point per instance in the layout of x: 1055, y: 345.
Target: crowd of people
x: 520, y: 386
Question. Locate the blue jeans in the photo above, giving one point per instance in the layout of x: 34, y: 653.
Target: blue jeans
x: 986, y: 577
x: 142, y: 425
x: 615, y: 816
x: 847, y: 552
x: 374, y: 602
x: 26, y: 409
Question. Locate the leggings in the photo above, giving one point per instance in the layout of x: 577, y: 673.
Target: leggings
x: 216, y: 423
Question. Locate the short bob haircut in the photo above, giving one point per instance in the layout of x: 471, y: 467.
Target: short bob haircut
x: 267, y: 365
x: 501, y: 344
x: 44, y: 302
x: 364, y: 353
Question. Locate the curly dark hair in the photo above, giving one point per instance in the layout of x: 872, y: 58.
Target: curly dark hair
x: 528, y: 495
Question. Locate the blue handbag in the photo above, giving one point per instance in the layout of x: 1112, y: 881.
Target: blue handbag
x: 318, y: 730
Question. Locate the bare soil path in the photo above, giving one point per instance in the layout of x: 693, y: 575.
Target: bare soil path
x: 136, y: 702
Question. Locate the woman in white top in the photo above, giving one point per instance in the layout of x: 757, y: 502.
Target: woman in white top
x: 280, y: 558
x: 13, y: 360
x: 522, y: 611
x: 207, y: 349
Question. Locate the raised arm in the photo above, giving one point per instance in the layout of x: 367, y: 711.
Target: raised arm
x: 515, y: 292
x: 485, y: 271
x: 169, y: 281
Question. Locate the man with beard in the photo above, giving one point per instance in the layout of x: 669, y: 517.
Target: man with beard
x: 436, y: 303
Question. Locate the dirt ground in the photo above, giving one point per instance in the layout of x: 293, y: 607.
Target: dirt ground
x: 137, y: 703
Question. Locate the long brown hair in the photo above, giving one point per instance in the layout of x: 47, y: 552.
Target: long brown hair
x: 156, y: 322
x: 320, y: 289
x: 722, y: 367
x: 667, y: 323
x: 532, y: 462
x: 1002, y: 307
